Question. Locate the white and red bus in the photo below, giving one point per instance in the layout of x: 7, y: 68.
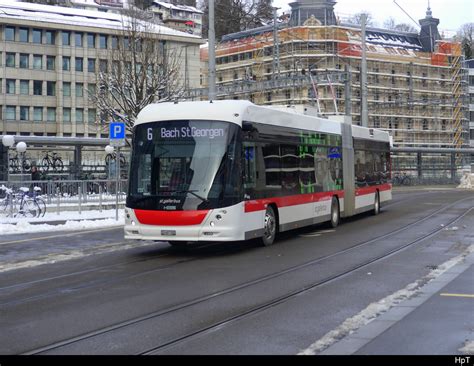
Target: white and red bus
x: 232, y: 170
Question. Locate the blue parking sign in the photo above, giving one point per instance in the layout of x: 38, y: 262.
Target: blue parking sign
x: 117, y: 130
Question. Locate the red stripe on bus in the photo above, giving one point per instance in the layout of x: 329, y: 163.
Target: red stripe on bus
x: 170, y: 218
x: 372, y: 189
x: 300, y: 199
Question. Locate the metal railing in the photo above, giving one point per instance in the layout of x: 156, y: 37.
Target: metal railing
x: 76, y: 195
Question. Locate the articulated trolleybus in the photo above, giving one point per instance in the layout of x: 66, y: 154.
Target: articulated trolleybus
x: 232, y: 170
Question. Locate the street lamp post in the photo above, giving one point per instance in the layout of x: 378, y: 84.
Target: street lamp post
x: 21, y: 148
x: 110, y: 150
x: 8, y: 141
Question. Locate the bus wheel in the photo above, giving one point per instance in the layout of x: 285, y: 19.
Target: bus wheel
x: 334, y: 212
x: 270, y: 227
x: 377, y: 203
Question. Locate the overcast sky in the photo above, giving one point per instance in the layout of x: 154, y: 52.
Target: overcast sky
x: 451, y: 13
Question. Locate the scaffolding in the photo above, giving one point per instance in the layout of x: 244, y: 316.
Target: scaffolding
x: 416, y: 96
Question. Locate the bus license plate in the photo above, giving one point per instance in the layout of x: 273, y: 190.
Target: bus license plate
x: 168, y: 232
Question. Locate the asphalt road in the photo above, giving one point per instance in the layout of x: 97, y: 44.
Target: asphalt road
x: 92, y: 292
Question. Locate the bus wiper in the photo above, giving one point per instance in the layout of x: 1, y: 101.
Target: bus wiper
x: 194, y: 194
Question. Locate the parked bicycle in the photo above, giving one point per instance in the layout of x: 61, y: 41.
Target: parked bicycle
x: 18, y: 165
x: 20, y: 204
x: 52, y: 161
x: 113, y: 156
x: 402, y: 180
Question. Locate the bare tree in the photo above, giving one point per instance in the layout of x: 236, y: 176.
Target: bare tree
x: 141, y: 68
x: 465, y: 35
x: 357, y: 19
x: 403, y: 27
x: 237, y: 15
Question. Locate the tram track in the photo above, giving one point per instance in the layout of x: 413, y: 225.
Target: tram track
x: 266, y: 305
x: 116, y: 279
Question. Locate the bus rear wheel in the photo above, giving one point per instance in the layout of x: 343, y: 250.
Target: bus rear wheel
x: 377, y: 203
x: 335, y: 216
x: 269, y: 227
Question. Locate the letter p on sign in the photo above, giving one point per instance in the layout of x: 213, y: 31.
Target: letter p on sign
x: 117, y: 133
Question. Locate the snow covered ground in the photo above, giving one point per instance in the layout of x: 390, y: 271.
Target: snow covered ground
x: 73, y: 221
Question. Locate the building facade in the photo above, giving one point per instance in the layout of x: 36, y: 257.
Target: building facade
x: 415, y: 86
x: 184, y: 18
x: 49, y: 57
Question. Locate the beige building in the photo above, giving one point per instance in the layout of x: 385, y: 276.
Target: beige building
x: 49, y: 57
x: 415, y: 85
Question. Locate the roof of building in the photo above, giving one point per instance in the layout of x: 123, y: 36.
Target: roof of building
x: 73, y: 16
x: 383, y: 37
x: 190, y: 9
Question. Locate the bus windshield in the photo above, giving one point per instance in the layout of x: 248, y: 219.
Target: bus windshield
x: 185, y: 165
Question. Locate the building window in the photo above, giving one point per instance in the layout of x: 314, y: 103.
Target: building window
x: 51, y: 114
x: 66, y: 63
x: 114, y: 42
x: 37, y: 35
x: 103, y: 66
x: 425, y: 125
x: 66, y: 37
x: 24, y: 87
x: 10, y: 86
x: 102, y: 41
x: 24, y: 113
x: 24, y: 58
x: 23, y: 34
x: 66, y: 114
x: 90, y: 40
x: 66, y: 89
x: 10, y: 61
x: 37, y: 113
x: 79, y: 115
x: 37, y: 62
x: 91, y: 114
x: 50, y: 37
x: 37, y: 87
x: 79, y: 64
x: 79, y: 90
x: 51, y: 88
x: 10, y: 34
x: 10, y: 113
x: 78, y: 39
x: 91, y: 64
x: 51, y: 62
x: 91, y: 89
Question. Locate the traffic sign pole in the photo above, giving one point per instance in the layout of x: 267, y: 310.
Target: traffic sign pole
x: 117, y: 139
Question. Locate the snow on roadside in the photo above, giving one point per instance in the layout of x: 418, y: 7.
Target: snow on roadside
x: 85, y: 220
x: 377, y: 308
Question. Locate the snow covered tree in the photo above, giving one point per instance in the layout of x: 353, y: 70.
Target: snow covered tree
x: 140, y: 68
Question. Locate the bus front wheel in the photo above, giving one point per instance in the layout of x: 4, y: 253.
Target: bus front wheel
x: 269, y: 227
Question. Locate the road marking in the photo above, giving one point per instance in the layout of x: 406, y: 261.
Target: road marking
x: 57, y: 236
x: 457, y: 295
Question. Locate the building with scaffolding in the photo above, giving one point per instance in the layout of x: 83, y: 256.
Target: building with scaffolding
x: 415, y: 81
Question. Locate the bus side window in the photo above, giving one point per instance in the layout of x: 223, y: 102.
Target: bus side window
x: 249, y: 167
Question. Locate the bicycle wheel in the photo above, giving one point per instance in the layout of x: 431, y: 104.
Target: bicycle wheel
x: 41, y: 205
x: 45, y: 164
x: 26, y: 165
x: 29, y: 208
x: 58, y: 165
x: 108, y: 157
